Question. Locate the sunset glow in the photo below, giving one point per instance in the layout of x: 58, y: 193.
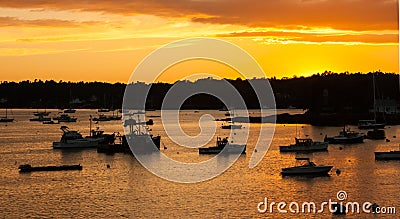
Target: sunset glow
x: 105, y: 40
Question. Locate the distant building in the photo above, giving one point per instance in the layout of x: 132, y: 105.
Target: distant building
x: 388, y: 106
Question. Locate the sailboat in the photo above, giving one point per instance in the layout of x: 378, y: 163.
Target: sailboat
x: 70, y: 110
x: 6, y: 119
x: 371, y: 123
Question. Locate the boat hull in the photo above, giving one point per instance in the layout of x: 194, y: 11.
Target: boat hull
x: 239, y: 149
x: 6, y: 120
x: 76, y: 144
x: 299, y: 171
x: 392, y: 155
x: 377, y: 134
x: 322, y: 146
x: 28, y: 168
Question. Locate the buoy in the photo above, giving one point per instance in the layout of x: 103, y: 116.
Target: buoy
x: 374, y: 207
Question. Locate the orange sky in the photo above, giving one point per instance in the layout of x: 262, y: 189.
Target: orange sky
x: 105, y: 40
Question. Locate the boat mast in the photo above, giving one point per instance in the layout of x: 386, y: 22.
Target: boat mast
x: 90, y: 125
x: 373, y: 85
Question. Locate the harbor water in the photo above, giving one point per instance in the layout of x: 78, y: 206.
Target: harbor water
x: 118, y: 186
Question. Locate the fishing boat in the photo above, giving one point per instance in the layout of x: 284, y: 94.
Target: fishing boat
x: 376, y: 134
x: 139, y: 137
x: 74, y: 139
x: 6, y: 118
x: 305, y: 145
x: 308, y: 168
x: 389, y: 155
x: 224, y: 144
x: 346, y: 136
x: 27, y: 168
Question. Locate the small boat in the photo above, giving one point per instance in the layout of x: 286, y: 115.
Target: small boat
x: 231, y: 126
x: 102, y: 118
x: 51, y: 122
x: 305, y: 145
x: 40, y: 118
x: 309, y: 168
x: 102, y: 110
x: 114, y: 116
x: 27, y: 168
x: 389, y: 155
x: 376, y: 134
x: 70, y: 111
x: 223, y: 144
x: 370, y: 124
x: 65, y: 118
x: 223, y: 109
x: 346, y: 137
x: 6, y: 118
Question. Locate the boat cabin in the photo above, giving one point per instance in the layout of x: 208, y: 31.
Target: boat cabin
x: 304, y: 141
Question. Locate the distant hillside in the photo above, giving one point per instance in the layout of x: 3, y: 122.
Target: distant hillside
x: 320, y: 93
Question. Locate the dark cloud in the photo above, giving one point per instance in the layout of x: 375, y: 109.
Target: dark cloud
x: 338, y: 14
x: 12, y: 22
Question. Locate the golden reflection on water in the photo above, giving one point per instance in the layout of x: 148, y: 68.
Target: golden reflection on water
x: 126, y: 189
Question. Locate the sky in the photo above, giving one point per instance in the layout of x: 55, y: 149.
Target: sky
x: 105, y: 40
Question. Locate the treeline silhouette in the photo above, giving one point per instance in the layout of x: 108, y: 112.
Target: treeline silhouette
x: 320, y: 93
